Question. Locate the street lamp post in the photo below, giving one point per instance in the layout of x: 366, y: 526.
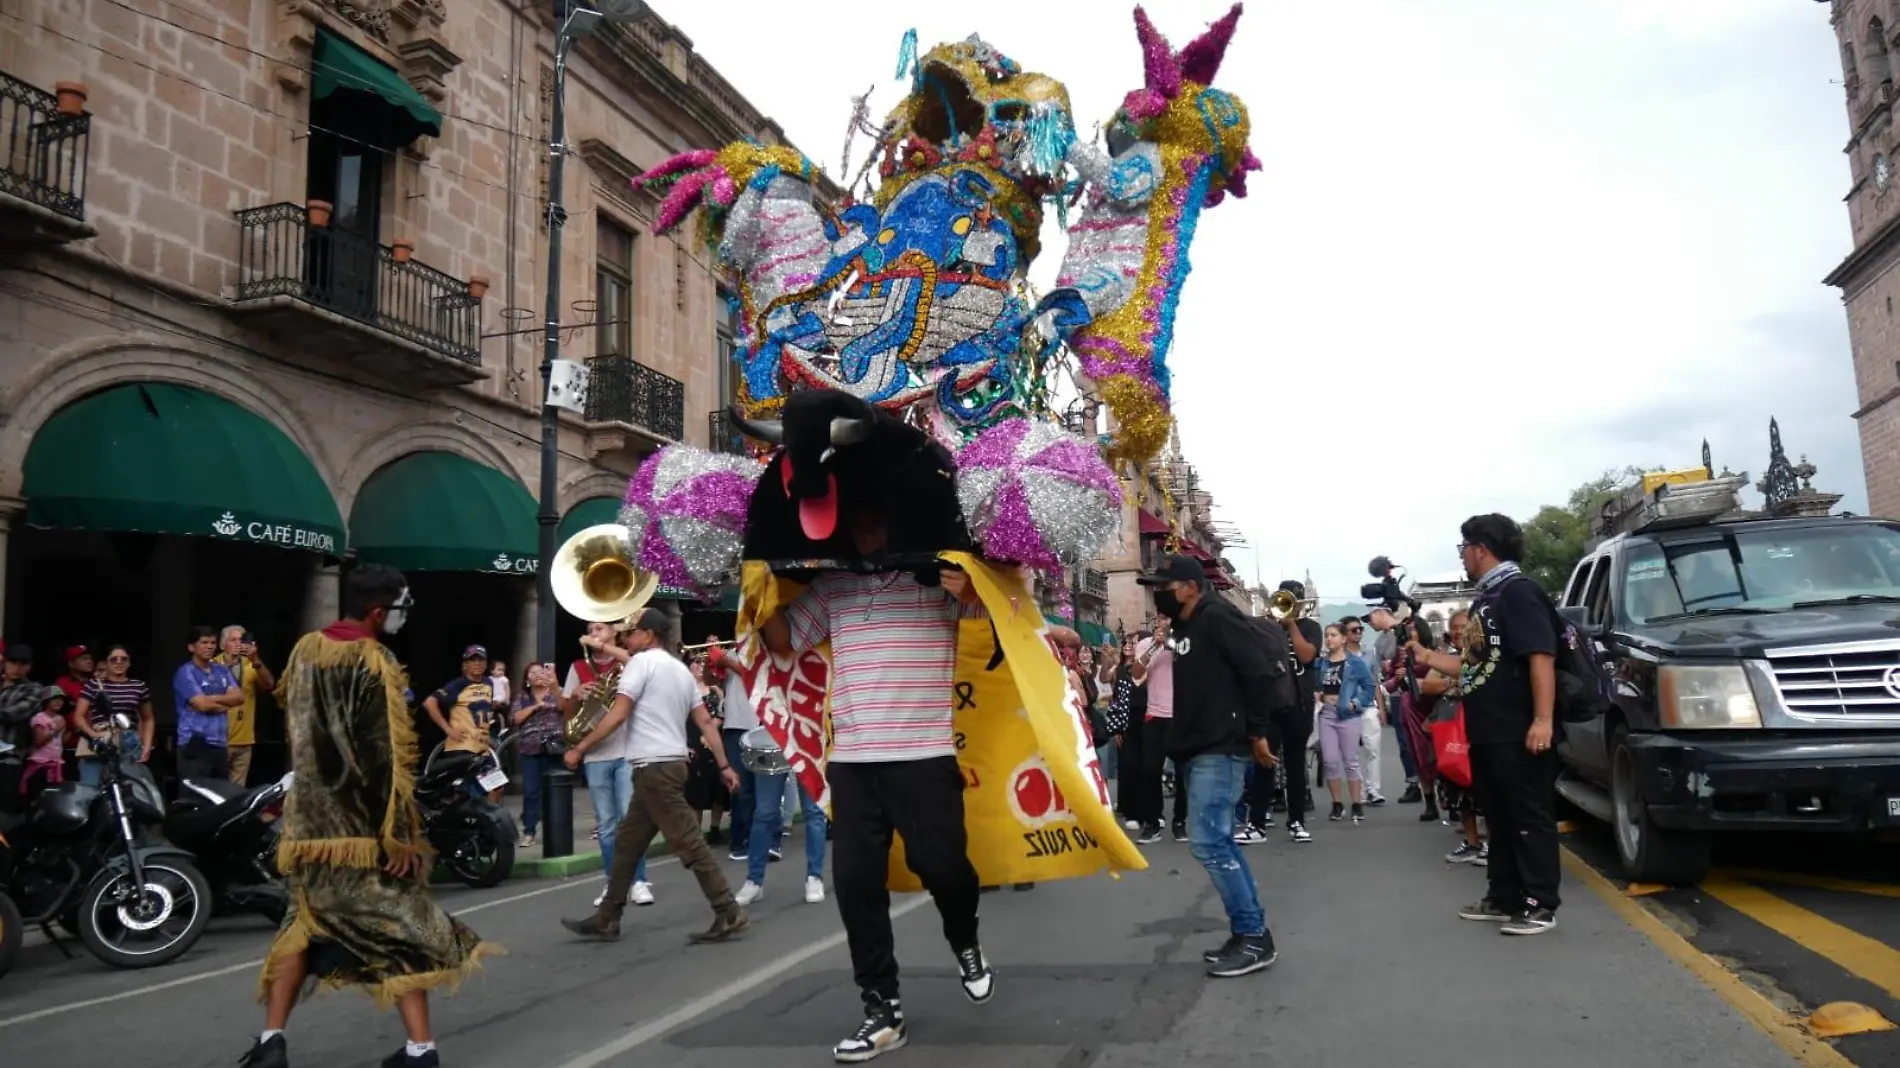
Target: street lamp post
x: 577, y: 23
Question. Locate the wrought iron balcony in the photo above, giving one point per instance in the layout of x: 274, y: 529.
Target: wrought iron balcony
x: 722, y: 435
x: 282, y: 257
x: 620, y: 390
x: 45, y: 162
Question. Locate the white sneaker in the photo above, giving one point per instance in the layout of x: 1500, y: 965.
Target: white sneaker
x: 641, y: 894
x: 749, y: 893
x: 814, y: 890
x: 1131, y: 825
x: 600, y: 898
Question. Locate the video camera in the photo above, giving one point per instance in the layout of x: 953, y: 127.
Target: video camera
x: 1387, y: 590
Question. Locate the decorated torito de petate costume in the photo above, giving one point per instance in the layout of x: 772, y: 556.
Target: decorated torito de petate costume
x: 352, y: 809
x: 892, y: 352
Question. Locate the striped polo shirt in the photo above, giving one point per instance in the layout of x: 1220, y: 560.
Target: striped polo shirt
x: 894, y: 659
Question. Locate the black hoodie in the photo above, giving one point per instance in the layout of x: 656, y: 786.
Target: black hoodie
x: 1225, y: 682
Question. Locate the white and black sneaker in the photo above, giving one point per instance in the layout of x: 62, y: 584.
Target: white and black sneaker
x: 1298, y: 832
x: 1530, y: 922
x: 1375, y: 798
x: 978, y: 978
x: 1466, y: 853
x: 1220, y: 952
x: 1254, y: 953
x: 1483, y: 859
x: 881, y: 1032
x: 1149, y: 835
x: 1249, y: 835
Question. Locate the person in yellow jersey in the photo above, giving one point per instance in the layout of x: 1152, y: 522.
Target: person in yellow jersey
x: 239, y: 653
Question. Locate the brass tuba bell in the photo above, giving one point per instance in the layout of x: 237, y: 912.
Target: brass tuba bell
x: 1283, y: 605
x: 594, y: 577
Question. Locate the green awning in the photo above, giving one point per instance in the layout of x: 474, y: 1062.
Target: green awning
x: 340, y: 67
x: 169, y: 459
x: 1092, y: 633
x: 435, y: 511
x: 591, y: 512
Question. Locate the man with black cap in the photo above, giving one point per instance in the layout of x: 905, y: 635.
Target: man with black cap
x: 1226, y: 688
x: 661, y: 695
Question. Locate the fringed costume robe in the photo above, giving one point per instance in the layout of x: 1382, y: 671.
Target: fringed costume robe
x: 351, y: 810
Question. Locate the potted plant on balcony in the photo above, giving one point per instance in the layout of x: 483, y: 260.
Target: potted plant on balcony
x: 477, y: 287
x: 71, y: 97
x: 402, y: 248
x: 318, y: 212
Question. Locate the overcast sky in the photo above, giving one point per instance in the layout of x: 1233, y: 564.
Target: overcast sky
x: 1540, y: 239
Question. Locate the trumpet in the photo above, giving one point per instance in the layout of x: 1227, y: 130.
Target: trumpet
x: 725, y: 644
x: 594, y: 577
x: 1283, y: 606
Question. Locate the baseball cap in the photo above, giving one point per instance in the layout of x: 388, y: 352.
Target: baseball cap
x: 1294, y: 587
x: 74, y: 652
x: 475, y: 652
x: 1175, y: 569
x: 19, y: 653
x: 653, y: 619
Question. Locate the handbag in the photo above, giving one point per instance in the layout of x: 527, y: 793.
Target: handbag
x: 1452, y: 746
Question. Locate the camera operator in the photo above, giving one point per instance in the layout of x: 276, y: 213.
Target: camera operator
x: 1509, y: 683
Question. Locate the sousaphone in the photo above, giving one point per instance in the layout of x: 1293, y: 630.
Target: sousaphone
x: 594, y: 577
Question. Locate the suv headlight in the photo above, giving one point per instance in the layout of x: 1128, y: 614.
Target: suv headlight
x: 1704, y: 696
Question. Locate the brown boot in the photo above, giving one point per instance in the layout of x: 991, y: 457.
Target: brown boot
x: 602, y: 926
x: 723, y: 928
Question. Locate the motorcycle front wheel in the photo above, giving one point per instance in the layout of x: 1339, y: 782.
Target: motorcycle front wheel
x: 133, y: 927
x: 11, y: 931
x: 479, y: 856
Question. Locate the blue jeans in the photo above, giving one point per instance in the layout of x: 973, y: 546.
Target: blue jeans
x: 768, y: 816
x: 1105, y: 756
x: 741, y: 804
x: 92, y: 769
x: 610, y: 787
x: 533, y: 768
x: 1216, y: 784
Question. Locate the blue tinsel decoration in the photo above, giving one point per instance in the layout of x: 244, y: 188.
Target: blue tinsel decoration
x: 907, y: 53
x: 1050, y: 135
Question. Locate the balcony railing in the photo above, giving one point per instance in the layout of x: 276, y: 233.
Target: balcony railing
x: 723, y: 435
x: 45, y: 161
x: 281, y: 255
x: 1095, y: 583
x: 619, y: 390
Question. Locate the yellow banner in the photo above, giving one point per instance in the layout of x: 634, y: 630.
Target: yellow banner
x: 1035, y: 803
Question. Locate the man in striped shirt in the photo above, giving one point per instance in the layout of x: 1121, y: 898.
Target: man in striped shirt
x: 893, y: 763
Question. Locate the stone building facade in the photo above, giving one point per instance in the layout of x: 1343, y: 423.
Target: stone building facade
x: 1868, y: 35
x: 338, y: 226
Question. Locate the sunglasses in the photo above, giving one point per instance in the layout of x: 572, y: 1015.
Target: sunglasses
x: 118, y: 660
x: 1355, y: 630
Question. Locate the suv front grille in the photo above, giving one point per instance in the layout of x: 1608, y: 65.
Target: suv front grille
x: 1841, y: 680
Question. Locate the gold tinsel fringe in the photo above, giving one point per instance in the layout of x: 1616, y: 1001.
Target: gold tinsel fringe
x: 295, y: 938
x: 336, y: 852
x: 394, y: 989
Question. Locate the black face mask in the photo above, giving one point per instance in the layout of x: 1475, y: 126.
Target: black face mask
x: 1167, y: 603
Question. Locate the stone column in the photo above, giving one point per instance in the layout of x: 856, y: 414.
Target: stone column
x: 322, y: 595
x: 525, y: 630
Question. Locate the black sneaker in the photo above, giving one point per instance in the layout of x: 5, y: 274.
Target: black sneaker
x: 1484, y: 912
x: 715, y: 837
x: 1180, y: 830
x: 1219, y: 953
x: 1412, y: 795
x: 1358, y: 813
x: 1430, y: 815
x: 1464, y: 854
x: 402, y: 1058
x: 1483, y: 859
x: 881, y: 1032
x: 272, y: 1052
x: 1338, y: 813
x: 1255, y: 953
x: 1150, y: 834
x: 1530, y: 922
x: 738, y: 854
x: 978, y: 978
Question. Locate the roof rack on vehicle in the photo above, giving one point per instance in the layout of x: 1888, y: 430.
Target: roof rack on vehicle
x: 1669, y: 500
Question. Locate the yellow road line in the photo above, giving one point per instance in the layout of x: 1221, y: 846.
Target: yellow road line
x: 1868, y: 958
x: 1812, y: 882
x: 1783, y: 1030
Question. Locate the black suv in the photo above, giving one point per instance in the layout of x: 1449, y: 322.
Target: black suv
x: 1756, y: 665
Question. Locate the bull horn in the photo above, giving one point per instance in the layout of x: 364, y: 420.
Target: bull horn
x: 770, y: 431
x: 851, y: 431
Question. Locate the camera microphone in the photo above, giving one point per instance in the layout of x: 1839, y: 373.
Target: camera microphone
x: 1380, y: 567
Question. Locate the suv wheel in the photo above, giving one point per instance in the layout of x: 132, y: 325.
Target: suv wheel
x: 1650, y: 854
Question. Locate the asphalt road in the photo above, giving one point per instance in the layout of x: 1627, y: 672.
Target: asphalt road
x: 1374, y: 965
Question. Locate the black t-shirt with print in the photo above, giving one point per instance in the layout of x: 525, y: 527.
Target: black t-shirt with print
x: 1497, y: 681
x: 1306, y: 676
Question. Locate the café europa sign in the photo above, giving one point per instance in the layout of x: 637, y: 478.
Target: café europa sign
x: 285, y: 535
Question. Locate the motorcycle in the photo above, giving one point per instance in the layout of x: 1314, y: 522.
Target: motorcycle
x: 233, y: 833
x: 472, y: 835
x: 78, y: 858
x: 11, y: 931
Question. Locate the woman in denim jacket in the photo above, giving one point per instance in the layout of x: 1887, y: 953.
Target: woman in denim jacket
x: 1345, y: 693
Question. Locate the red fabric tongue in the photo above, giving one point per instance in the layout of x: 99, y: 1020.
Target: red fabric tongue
x: 818, y: 516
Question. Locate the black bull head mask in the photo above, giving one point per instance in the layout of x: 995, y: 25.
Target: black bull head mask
x: 838, y: 454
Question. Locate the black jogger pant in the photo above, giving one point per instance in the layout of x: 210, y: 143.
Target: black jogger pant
x: 1518, y: 794
x: 1291, y: 730
x: 923, y: 801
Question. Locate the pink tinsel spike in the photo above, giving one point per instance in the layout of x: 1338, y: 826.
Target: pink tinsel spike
x: 1160, y: 68
x: 1200, y: 60
x: 680, y: 202
x: 685, y: 161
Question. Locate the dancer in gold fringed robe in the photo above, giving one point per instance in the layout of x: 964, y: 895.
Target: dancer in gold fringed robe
x: 353, y: 851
